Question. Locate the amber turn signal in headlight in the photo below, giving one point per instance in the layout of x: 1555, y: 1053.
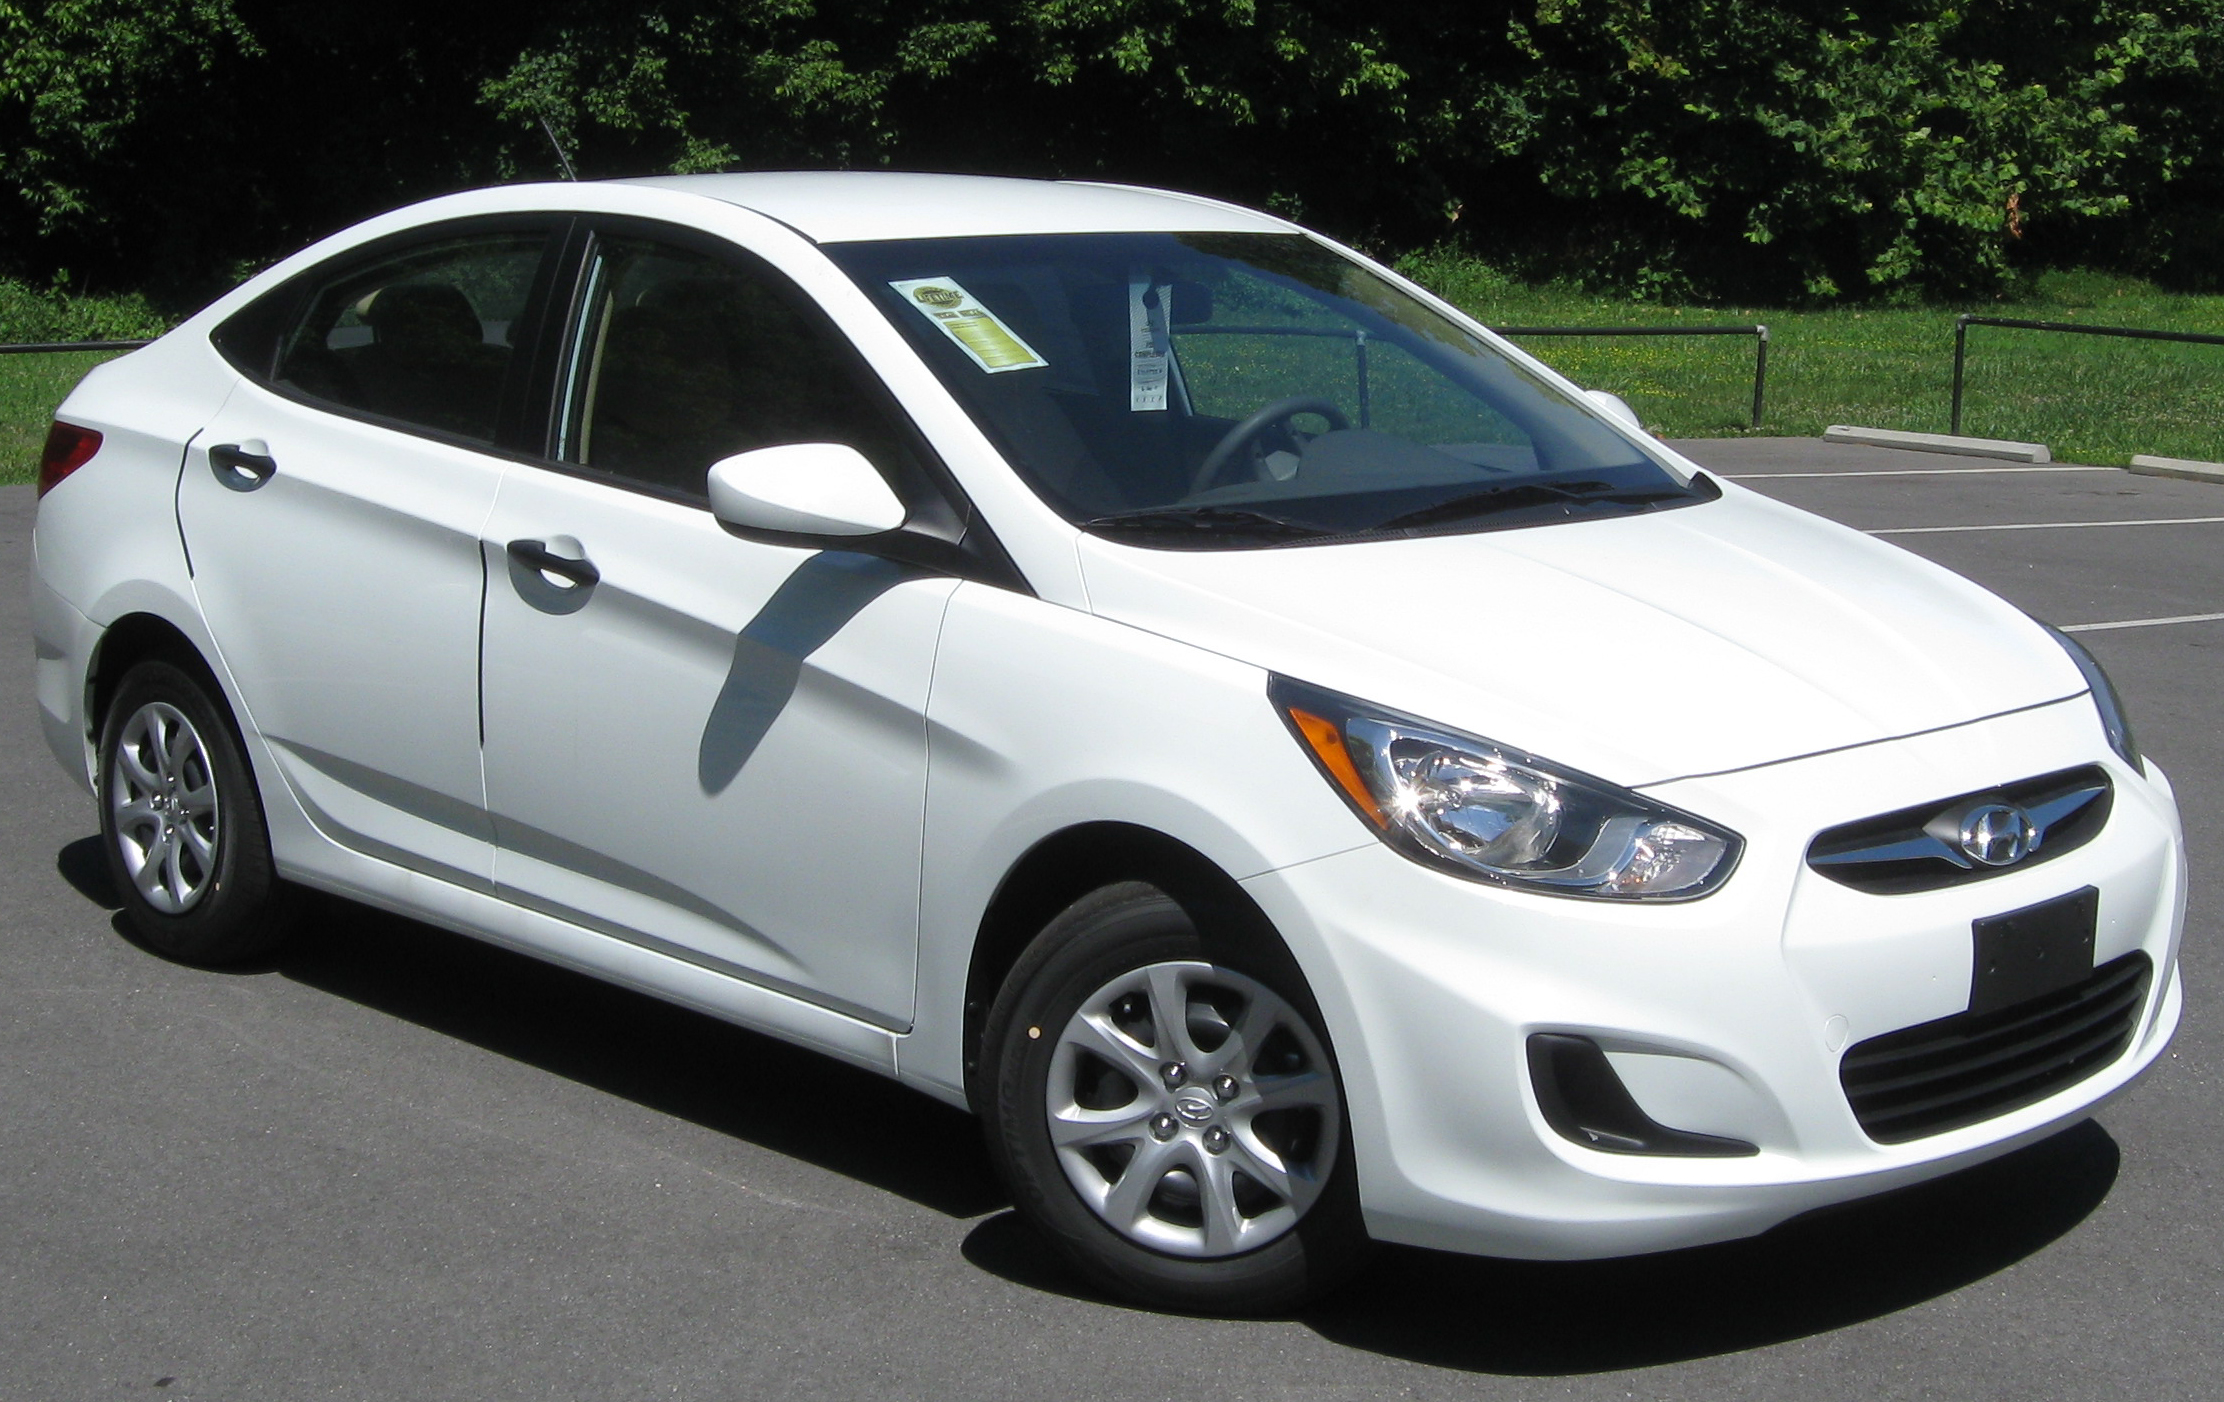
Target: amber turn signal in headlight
x: 1496, y: 814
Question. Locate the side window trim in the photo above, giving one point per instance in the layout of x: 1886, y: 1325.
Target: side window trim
x: 521, y: 393
x: 573, y: 396
x: 560, y: 309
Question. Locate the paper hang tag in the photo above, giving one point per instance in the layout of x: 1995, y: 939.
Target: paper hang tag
x: 979, y: 332
x: 1150, y: 345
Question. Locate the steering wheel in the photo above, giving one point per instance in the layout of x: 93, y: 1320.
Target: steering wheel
x: 1258, y: 423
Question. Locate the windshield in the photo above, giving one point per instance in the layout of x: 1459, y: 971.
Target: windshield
x: 1221, y: 391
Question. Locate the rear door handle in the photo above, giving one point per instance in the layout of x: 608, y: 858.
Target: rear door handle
x: 535, y: 555
x: 239, y: 469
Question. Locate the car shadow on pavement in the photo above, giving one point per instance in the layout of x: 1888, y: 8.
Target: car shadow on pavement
x: 663, y: 1057
x: 1818, y: 1272
x: 660, y: 1056
x: 86, y: 870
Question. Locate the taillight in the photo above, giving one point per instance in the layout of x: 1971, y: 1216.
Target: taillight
x: 68, y: 448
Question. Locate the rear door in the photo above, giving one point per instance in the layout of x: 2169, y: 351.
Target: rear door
x: 331, y: 515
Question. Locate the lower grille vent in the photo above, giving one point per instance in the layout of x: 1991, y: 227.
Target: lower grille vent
x: 1969, y: 1067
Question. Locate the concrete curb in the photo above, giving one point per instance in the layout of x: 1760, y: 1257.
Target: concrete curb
x: 2148, y: 465
x: 1999, y: 448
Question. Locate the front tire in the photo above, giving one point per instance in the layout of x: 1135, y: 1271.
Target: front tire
x: 1169, y: 1113
x: 182, y: 825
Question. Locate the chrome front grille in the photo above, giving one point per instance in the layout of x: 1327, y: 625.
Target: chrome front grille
x: 1922, y: 848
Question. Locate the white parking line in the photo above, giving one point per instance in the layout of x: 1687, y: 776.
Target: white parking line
x: 1905, y: 472
x: 2144, y: 622
x: 2049, y: 525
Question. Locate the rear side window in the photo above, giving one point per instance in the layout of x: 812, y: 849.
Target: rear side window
x: 424, y: 335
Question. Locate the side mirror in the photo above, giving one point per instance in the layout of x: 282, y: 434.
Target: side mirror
x: 1616, y: 409
x: 804, y: 489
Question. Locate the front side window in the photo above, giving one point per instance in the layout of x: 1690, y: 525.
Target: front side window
x: 1217, y: 391
x: 680, y: 358
x: 423, y: 336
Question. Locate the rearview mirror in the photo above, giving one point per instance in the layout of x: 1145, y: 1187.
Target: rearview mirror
x: 1615, y: 408
x: 804, y: 489
x: 1192, y: 304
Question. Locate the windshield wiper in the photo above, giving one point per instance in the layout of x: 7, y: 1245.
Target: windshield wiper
x: 1234, y: 520
x: 1514, y: 495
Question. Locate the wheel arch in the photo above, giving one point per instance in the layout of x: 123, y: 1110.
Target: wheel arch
x: 1065, y: 866
x: 130, y: 640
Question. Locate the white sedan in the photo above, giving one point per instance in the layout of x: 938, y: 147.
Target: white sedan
x: 1302, y: 771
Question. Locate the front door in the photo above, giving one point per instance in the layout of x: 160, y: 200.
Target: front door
x: 707, y: 745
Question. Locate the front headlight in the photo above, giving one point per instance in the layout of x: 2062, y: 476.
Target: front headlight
x: 2105, y: 700
x: 1495, y: 814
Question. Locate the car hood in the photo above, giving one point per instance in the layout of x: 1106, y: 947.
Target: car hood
x: 1640, y: 648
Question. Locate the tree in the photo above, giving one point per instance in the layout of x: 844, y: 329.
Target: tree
x: 1725, y: 148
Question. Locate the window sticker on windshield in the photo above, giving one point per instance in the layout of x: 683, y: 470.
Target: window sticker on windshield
x: 1149, y: 343
x: 994, y: 346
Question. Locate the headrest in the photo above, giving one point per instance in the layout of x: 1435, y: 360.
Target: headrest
x: 422, y: 312
x: 683, y: 331
x: 692, y: 294
x: 1106, y: 303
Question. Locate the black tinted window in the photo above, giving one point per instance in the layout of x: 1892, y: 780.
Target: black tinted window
x: 423, y: 336
x: 681, y: 359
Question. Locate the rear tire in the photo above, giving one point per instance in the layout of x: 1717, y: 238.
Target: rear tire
x: 181, y: 824
x: 1168, y: 1112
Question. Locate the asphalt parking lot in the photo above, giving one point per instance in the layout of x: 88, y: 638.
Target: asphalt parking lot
x: 399, y: 1164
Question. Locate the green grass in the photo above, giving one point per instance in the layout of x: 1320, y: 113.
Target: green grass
x: 2091, y: 399
x: 30, y: 387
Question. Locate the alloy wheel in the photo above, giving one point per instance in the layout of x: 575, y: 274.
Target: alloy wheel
x: 162, y: 793
x: 1193, y: 1109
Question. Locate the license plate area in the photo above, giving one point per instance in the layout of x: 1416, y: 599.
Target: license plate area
x: 2034, y: 951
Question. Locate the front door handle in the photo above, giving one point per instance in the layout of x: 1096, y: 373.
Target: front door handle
x: 239, y: 469
x: 536, y: 556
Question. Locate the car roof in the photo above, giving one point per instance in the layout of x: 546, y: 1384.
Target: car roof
x: 851, y: 206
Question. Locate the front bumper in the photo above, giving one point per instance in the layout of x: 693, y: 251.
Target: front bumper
x: 1724, y: 1016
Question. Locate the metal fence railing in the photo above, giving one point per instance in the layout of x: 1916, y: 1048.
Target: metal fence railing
x: 40, y: 347
x: 1359, y: 340
x: 1758, y: 333
x: 2132, y: 333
